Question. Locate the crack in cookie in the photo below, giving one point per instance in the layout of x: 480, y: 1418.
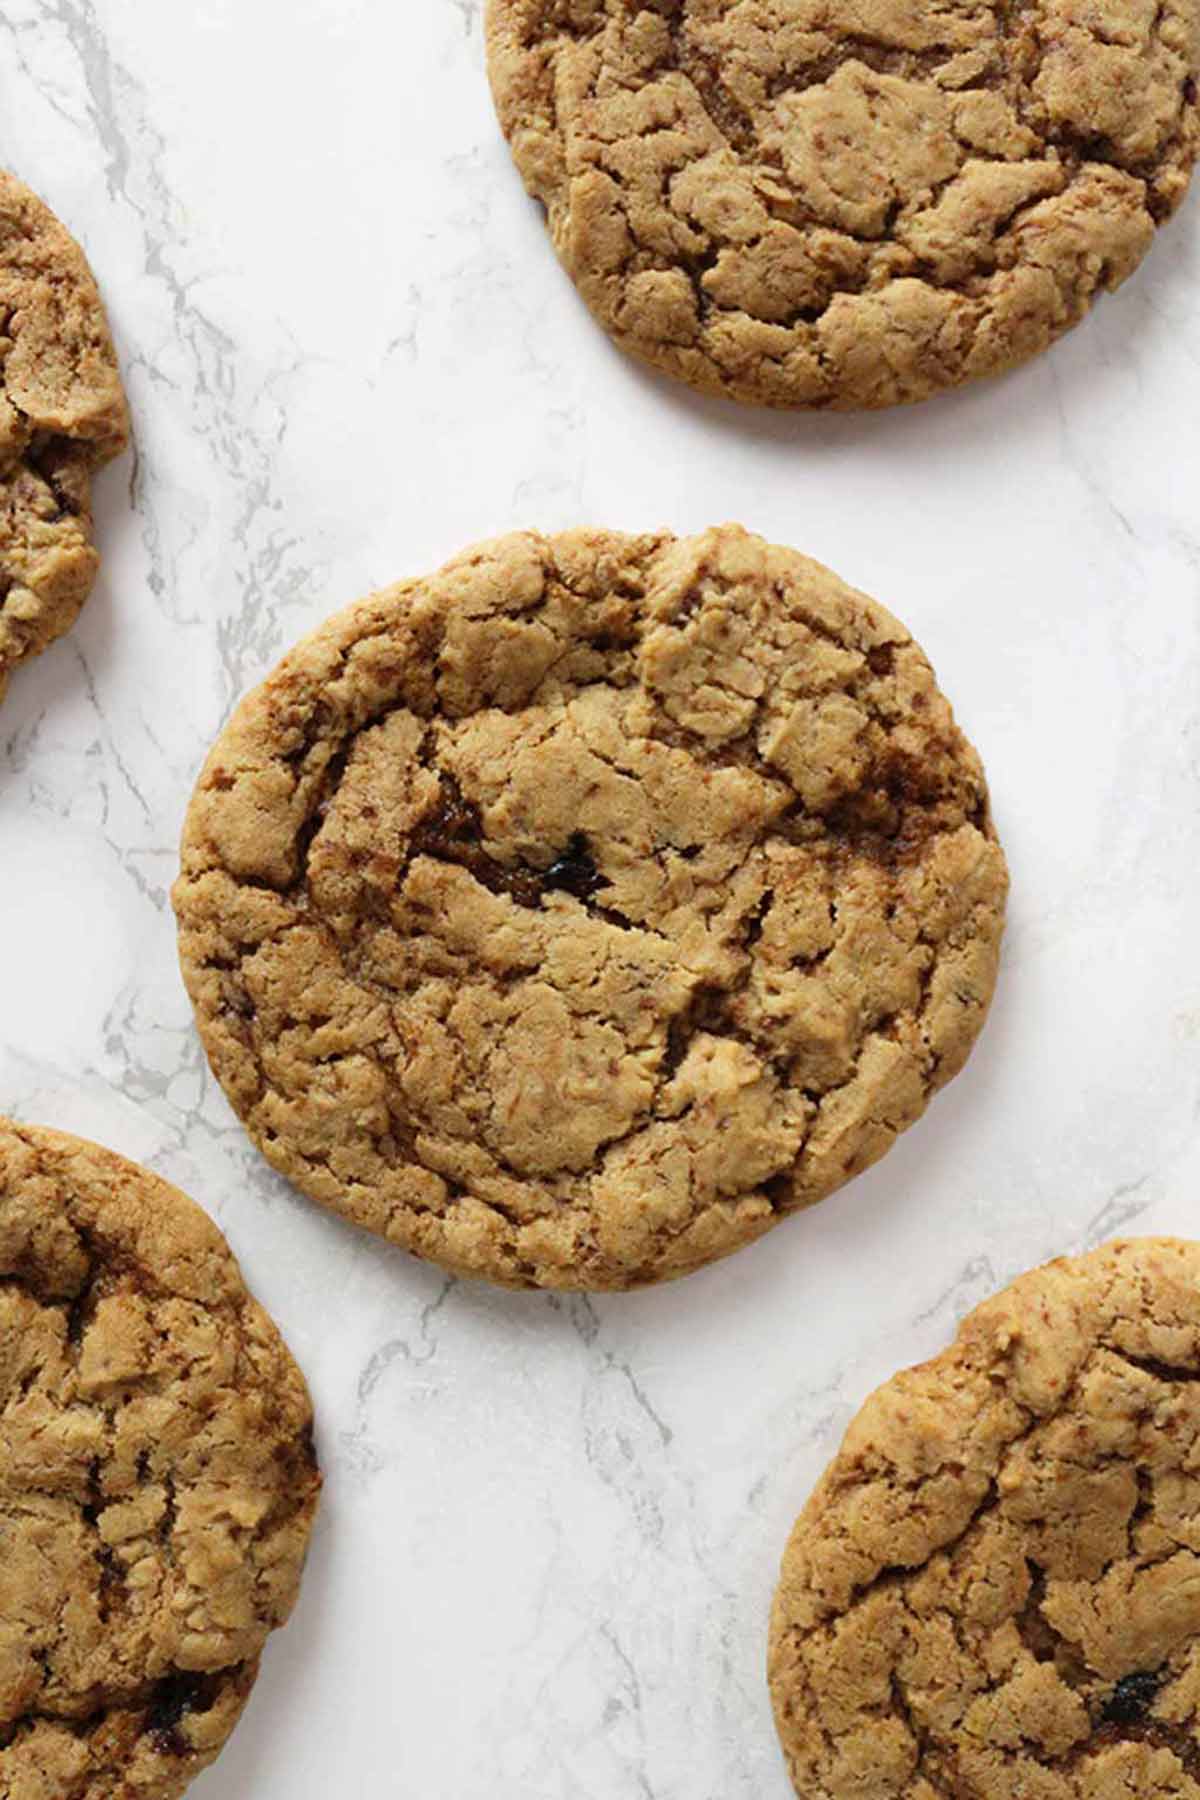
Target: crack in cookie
x: 852, y: 205
x: 572, y: 915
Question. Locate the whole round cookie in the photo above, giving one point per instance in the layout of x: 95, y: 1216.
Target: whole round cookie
x: 848, y: 203
x: 573, y: 914
x: 62, y: 415
x: 995, y: 1589
x: 157, y: 1478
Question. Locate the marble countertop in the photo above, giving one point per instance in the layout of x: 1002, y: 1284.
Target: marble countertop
x: 551, y: 1529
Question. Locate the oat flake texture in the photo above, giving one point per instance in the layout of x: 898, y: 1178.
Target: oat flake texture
x: 574, y: 914
x: 62, y: 416
x: 994, y: 1592
x: 157, y: 1478
x: 846, y: 203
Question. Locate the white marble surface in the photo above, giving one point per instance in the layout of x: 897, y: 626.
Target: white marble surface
x: 551, y: 1528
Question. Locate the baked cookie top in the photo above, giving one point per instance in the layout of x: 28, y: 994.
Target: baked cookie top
x: 846, y: 203
x: 157, y: 1478
x: 62, y: 415
x: 572, y: 914
x: 995, y: 1588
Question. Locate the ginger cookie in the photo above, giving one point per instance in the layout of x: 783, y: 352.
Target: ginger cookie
x: 995, y: 1589
x: 572, y: 915
x: 62, y: 415
x: 157, y: 1474
x: 846, y: 205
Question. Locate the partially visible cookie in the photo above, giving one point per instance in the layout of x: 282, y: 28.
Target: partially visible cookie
x: 847, y: 203
x: 157, y: 1478
x: 62, y: 415
x: 995, y: 1589
x: 574, y: 914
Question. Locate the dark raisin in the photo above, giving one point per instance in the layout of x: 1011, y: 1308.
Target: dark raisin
x: 1132, y: 1698
x: 574, y: 872
x: 174, y: 1698
x: 453, y: 832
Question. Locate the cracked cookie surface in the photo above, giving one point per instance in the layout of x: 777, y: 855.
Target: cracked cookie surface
x: 573, y: 914
x: 157, y: 1478
x: 995, y: 1588
x: 62, y: 416
x: 847, y: 204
